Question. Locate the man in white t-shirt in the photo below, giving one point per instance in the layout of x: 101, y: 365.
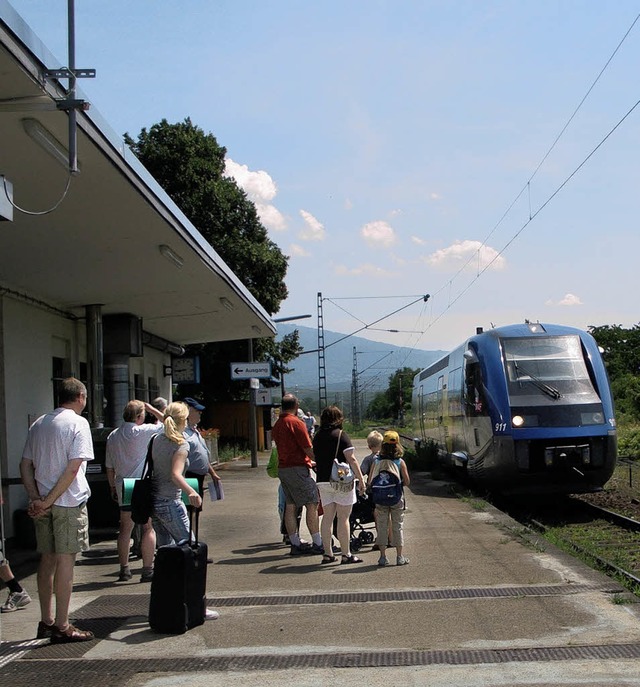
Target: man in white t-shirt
x: 126, y: 454
x: 53, y: 467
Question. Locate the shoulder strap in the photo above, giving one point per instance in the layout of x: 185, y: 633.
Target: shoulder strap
x: 338, y: 446
x: 148, y: 463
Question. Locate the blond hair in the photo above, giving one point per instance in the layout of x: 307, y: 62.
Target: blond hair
x: 374, y: 440
x: 175, y: 420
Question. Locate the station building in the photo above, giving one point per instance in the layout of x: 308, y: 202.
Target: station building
x: 101, y: 275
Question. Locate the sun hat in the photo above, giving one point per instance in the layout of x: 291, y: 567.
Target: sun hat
x: 391, y: 437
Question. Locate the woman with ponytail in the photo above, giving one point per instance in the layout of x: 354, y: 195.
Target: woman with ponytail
x: 170, y: 449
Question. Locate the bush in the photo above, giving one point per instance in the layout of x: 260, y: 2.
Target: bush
x: 424, y: 458
x: 629, y: 441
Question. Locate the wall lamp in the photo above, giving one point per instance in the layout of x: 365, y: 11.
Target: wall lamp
x: 170, y: 255
x: 46, y: 140
x: 226, y: 303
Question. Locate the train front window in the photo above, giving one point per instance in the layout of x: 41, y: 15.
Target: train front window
x: 547, y: 371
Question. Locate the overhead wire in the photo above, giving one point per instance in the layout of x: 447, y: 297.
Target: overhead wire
x: 533, y: 216
x: 526, y: 188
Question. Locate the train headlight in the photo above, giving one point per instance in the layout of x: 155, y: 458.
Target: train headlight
x: 517, y: 421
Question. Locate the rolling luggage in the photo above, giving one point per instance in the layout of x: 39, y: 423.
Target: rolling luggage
x: 178, y: 586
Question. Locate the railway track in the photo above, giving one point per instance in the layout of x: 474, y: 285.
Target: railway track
x: 609, y: 540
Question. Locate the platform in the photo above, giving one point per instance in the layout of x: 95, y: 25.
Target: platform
x: 479, y: 604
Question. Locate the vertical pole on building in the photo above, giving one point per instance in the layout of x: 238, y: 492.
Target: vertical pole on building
x: 73, y: 148
x: 95, y: 365
x: 253, y: 426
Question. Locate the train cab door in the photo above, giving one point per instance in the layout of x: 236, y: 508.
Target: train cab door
x: 442, y: 410
x: 421, y: 413
x: 477, y: 421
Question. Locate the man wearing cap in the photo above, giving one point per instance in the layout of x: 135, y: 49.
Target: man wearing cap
x: 199, y: 460
x: 295, y: 460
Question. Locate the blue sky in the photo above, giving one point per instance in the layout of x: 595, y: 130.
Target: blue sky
x: 384, y: 141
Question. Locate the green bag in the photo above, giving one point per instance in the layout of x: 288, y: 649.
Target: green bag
x: 272, y: 466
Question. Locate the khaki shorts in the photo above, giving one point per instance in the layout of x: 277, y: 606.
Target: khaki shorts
x: 298, y: 485
x: 63, y: 530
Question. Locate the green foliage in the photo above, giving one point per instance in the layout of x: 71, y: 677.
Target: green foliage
x: 189, y: 165
x: 622, y: 358
x: 395, y: 402
x: 629, y: 441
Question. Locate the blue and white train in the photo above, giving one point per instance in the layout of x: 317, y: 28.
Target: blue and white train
x: 521, y: 408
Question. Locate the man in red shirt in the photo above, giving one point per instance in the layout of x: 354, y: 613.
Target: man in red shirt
x: 295, y: 460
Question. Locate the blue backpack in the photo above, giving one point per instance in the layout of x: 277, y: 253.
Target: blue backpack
x: 386, y: 489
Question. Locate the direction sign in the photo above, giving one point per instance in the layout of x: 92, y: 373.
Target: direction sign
x: 261, y: 370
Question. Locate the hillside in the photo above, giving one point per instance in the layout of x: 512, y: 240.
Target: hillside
x: 375, y: 361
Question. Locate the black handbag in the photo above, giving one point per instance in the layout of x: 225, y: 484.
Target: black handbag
x: 142, y: 494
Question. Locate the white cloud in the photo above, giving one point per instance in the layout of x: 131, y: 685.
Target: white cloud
x: 297, y: 251
x: 366, y: 269
x: 271, y: 217
x: 459, y: 253
x: 258, y: 185
x: 378, y: 234
x: 435, y: 196
x: 260, y: 189
x: 569, y: 299
x: 348, y: 204
x: 314, y: 230
x: 418, y: 240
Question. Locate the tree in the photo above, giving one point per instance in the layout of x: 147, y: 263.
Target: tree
x: 189, y: 165
x: 395, y: 402
x: 622, y: 357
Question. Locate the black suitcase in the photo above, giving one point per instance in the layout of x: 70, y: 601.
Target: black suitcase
x: 178, y: 587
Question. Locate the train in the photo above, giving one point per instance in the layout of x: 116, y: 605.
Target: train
x: 523, y: 408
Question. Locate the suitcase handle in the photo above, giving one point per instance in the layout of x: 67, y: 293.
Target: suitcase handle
x: 191, y: 510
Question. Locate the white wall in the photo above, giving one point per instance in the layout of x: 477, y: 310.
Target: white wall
x: 29, y: 339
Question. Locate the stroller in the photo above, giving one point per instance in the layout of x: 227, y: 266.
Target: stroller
x: 361, y: 515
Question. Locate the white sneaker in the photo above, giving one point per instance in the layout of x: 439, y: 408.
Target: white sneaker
x: 211, y: 615
x: 15, y: 601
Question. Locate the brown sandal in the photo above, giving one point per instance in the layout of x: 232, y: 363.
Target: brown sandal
x: 70, y: 634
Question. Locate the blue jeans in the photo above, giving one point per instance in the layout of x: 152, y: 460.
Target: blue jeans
x: 170, y: 521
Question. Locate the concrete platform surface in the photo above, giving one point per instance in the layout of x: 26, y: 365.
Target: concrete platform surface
x: 479, y: 604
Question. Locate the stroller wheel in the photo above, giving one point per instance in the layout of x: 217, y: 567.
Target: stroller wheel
x: 355, y: 544
x: 366, y: 537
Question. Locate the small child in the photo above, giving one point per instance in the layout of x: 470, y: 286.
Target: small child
x: 390, y: 517
x: 374, y: 442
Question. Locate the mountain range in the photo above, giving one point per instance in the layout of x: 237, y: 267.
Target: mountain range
x: 375, y: 362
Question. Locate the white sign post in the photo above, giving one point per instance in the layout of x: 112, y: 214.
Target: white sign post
x: 260, y: 370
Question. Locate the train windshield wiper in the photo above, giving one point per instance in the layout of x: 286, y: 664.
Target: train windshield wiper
x: 545, y: 388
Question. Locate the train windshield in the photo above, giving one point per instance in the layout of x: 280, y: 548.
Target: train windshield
x: 549, y: 370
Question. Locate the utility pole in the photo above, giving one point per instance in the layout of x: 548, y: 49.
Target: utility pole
x: 253, y: 425
x: 322, y: 371
x: 355, y: 404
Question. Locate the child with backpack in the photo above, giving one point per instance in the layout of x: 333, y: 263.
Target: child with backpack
x: 387, y: 477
